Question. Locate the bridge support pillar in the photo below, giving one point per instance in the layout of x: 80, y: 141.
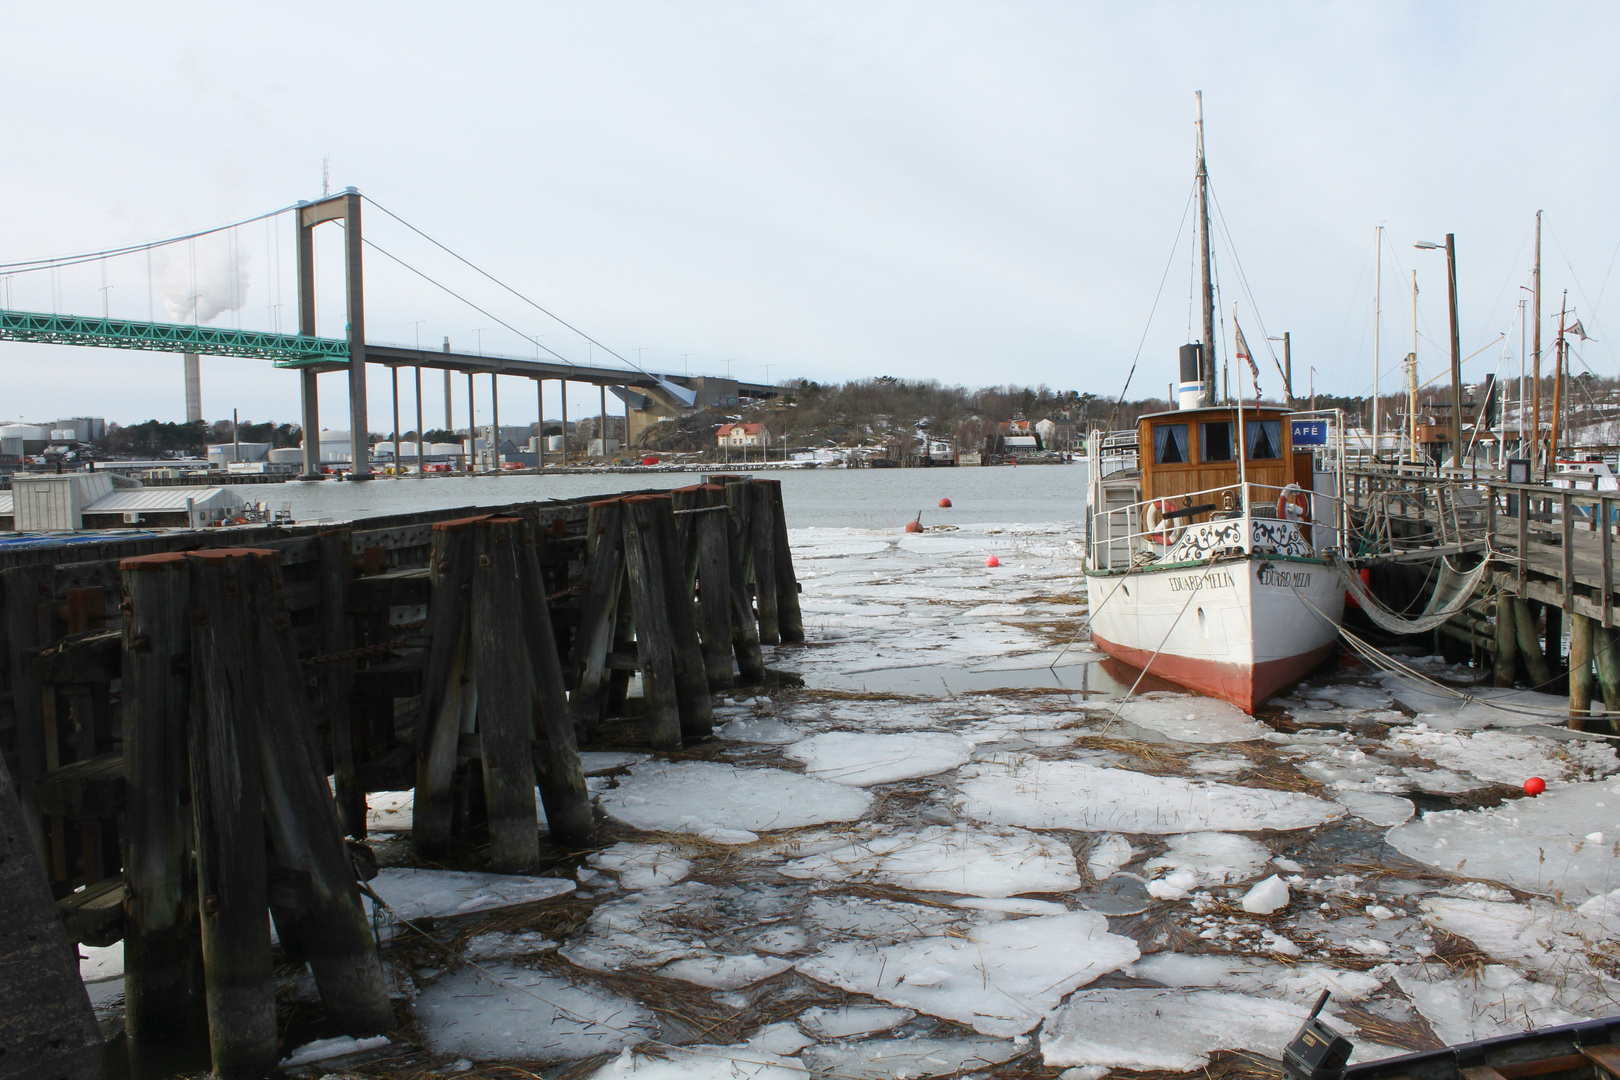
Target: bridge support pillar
x: 311, y: 399
x: 345, y: 208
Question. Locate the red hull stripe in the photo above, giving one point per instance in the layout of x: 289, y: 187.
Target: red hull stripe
x: 1245, y: 685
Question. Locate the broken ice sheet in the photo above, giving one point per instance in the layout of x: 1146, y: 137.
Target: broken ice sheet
x: 663, y: 796
x: 1298, y: 983
x: 702, y: 1063
x: 412, y: 894
x: 1538, y: 845
x: 725, y: 972
x: 851, y: 1020
x: 1192, y: 719
x: 1215, y: 858
x: 1572, y: 949
x: 642, y: 866
x: 883, y: 1059
x: 1496, y: 1000
x: 501, y: 1012
x: 1505, y: 757
x: 975, y: 862
x: 1016, y: 789
x: 863, y: 760
x: 1173, y: 1030
x: 1001, y: 979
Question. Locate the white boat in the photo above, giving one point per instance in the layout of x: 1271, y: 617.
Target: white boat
x: 1210, y: 535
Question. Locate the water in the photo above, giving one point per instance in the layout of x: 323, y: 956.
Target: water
x: 829, y: 498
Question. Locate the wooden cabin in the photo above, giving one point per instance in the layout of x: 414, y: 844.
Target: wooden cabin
x: 1193, y: 450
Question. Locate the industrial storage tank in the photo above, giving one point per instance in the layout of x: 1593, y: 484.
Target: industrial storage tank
x: 287, y: 455
x: 446, y: 449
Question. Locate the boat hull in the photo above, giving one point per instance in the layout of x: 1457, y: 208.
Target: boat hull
x: 1239, y: 629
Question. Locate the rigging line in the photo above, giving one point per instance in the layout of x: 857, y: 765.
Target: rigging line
x: 31, y: 265
x: 1146, y: 667
x: 502, y: 284
x: 488, y: 315
x: 1507, y: 281
x: 1590, y: 307
x: 1243, y: 282
x: 1166, y: 277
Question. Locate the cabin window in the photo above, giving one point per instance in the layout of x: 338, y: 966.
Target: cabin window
x: 1216, y: 441
x: 1170, y: 444
x: 1265, y: 439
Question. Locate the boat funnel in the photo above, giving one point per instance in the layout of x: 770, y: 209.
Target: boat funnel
x: 1192, y: 386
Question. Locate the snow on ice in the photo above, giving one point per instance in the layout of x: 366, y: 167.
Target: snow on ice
x: 984, y: 862
x: 863, y: 760
x: 699, y: 796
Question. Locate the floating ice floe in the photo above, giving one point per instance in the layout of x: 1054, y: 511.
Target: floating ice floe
x: 326, y: 1049
x: 1015, y: 789
x: 601, y: 762
x: 1570, y: 948
x: 497, y: 945
x: 691, y: 796
x: 977, y: 862
x: 642, y: 866
x: 851, y: 1020
x: 1384, y: 811
x: 892, y: 1059
x: 1174, y: 1030
x: 653, y: 928
x: 1192, y: 720
x: 1298, y: 983
x: 1266, y: 897
x: 725, y: 972
x: 413, y: 894
x: 1475, y: 707
x: 1497, y: 1000
x: 507, y: 1013
x: 702, y: 1063
x: 863, y: 760
x: 1504, y: 757
x: 1001, y: 979
x: 767, y: 730
x: 1538, y: 845
x: 1214, y: 858
x: 1108, y: 854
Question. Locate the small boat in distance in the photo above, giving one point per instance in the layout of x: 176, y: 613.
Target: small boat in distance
x: 1211, y: 532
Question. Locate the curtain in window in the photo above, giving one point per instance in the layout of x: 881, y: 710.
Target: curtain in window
x: 1169, y: 444
x: 1265, y: 439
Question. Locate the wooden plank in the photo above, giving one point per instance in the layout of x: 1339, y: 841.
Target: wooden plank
x: 1482, y: 1072
x: 598, y: 608
x: 790, y: 619
x: 713, y: 541
x: 762, y: 524
x: 95, y: 916
x: 91, y: 788
x: 505, y: 701
x: 686, y: 654
x: 90, y: 656
x: 46, y: 1024
x: 1607, y: 1056
x: 163, y: 954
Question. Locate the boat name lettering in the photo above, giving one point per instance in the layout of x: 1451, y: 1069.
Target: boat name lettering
x: 1212, y: 579
x: 1285, y: 579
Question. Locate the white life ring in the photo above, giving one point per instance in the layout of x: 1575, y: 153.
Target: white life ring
x: 1160, y: 528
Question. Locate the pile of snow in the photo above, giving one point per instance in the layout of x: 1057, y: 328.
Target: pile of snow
x: 862, y: 760
x: 1561, y: 841
x: 979, y: 862
x: 709, y: 798
x: 1001, y: 979
x: 1266, y: 896
x: 1016, y: 789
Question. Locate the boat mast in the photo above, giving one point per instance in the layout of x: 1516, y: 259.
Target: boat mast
x: 1207, y: 397
x: 1560, y: 350
x: 1378, y: 322
x: 1535, y: 385
x: 1411, y: 379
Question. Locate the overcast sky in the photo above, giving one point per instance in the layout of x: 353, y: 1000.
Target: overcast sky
x: 975, y: 193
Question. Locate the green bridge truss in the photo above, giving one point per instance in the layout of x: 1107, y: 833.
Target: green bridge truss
x: 287, y: 350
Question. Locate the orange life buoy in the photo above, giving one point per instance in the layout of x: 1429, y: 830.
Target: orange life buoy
x: 1157, y: 523
x: 1292, y: 506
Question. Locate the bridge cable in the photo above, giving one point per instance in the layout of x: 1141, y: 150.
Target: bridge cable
x: 31, y: 265
x: 502, y: 284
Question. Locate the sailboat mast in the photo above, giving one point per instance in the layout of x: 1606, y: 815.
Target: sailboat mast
x: 1559, y: 353
x: 1411, y: 378
x: 1208, y: 397
x: 1378, y: 322
x: 1535, y: 374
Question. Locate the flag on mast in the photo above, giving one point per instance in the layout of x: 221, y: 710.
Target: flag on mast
x: 1579, y: 331
x: 1243, y: 354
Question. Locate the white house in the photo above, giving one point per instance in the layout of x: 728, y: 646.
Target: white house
x: 740, y: 436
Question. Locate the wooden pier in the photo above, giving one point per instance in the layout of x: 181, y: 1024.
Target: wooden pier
x: 1552, y: 553
x: 193, y: 720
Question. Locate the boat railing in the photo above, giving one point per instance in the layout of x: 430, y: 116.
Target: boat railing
x: 1119, y: 535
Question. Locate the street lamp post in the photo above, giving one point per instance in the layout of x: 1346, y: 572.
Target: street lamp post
x: 1450, y: 247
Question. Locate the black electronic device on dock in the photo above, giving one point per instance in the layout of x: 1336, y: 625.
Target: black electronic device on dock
x: 1316, y: 1052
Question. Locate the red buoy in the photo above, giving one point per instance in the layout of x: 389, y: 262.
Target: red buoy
x: 914, y: 526
x: 992, y: 561
x: 1535, y: 786
x: 945, y: 504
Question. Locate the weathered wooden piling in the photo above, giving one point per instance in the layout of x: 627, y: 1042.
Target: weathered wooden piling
x: 1580, y: 670
x: 227, y: 799
x: 557, y: 768
x: 505, y: 700
x: 339, y: 675
x: 1604, y: 641
x: 25, y: 588
x: 649, y: 590
x: 712, y: 539
x: 439, y: 727
x: 790, y: 619
x: 762, y: 527
x: 598, y: 614
x: 1529, y: 646
x: 1507, y: 641
x: 162, y: 949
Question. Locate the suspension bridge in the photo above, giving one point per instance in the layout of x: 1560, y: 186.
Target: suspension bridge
x: 311, y: 355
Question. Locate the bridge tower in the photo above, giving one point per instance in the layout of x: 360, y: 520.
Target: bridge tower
x: 345, y: 208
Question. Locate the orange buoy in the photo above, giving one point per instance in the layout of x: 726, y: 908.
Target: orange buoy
x: 1535, y: 786
x: 914, y: 526
x: 992, y: 561
x: 945, y: 504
